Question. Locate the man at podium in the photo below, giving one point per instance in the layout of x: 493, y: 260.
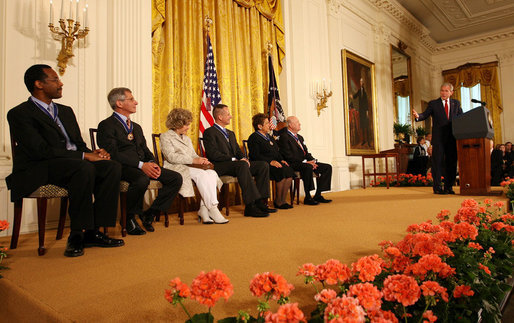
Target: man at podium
x: 444, y: 154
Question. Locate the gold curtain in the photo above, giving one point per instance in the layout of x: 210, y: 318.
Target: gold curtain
x: 239, y: 34
x: 470, y: 75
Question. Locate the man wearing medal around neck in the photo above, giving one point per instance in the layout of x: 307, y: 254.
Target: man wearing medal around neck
x: 125, y: 141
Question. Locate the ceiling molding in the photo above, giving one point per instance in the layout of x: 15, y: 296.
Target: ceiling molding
x: 486, y: 38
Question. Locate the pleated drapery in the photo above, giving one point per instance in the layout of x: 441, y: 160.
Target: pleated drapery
x: 239, y: 34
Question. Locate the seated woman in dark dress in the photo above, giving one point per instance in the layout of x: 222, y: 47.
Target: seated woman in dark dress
x: 263, y: 147
x: 499, y: 168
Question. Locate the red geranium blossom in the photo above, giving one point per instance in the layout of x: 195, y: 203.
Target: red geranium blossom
x: 344, y: 309
x: 4, y: 225
x: 325, y: 296
x: 401, y: 288
x: 431, y: 263
x: 432, y: 288
x: 382, y: 316
x: 475, y: 245
x: 272, y: 284
x: 368, y: 295
x: 368, y: 267
x: 484, y: 268
x: 208, y: 288
x: 287, y: 313
x: 332, y: 272
x: 307, y: 270
x: 178, y: 290
x: 462, y: 290
x: 429, y: 315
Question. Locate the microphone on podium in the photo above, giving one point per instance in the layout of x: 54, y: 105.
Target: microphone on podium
x: 478, y: 101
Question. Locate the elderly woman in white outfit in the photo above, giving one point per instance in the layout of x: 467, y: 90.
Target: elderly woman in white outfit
x: 178, y: 152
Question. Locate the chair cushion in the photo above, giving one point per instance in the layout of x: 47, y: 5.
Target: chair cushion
x: 49, y: 191
x: 226, y: 179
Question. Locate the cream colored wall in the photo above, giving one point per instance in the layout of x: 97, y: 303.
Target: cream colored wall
x: 112, y: 55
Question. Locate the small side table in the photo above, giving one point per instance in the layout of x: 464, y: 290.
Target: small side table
x: 375, y: 174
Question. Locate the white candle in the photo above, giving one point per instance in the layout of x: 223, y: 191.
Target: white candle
x: 70, y: 15
x: 51, y: 11
x: 324, y: 87
x: 77, y: 15
x: 62, y: 10
x: 85, y: 18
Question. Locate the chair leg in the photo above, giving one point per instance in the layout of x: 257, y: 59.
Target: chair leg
x: 297, y: 189
x: 123, y: 211
x: 166, y: 220
x: 62, y: 217
x: 227, y: 202
x: 18, y: 206
x: 181, y: 207
x: 41, y: 223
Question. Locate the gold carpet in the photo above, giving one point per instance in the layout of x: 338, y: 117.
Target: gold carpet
x: 127, y: 284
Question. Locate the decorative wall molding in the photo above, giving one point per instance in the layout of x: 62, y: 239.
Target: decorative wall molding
x: 383, y: 34
x: 335, y: 7
x: 499, y: 36
x: 505, y: 58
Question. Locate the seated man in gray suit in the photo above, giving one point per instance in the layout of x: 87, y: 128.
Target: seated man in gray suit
x: 223, y: 151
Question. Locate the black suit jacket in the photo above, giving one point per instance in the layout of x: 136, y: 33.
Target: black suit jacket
x: 112, y: 136
x: 440, y: 123
x: 217, y: 148
x: 260, y: 149
x: 292, y: 153
x: 39, y: 139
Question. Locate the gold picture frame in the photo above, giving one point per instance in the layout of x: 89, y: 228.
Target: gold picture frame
x: 360, y: 107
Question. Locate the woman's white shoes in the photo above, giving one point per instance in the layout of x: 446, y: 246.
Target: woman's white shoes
x: 203, y: 215
x: 216, y: 215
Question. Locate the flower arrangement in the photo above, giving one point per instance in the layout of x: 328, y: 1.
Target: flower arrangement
x: 4, y: 225
x: 402, y: 131
x: 453, y: 271
x: 508, y: 187
x: 421, y: 132
x: 404, y: 180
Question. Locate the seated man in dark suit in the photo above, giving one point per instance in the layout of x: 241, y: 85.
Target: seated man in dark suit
x: 420, y: 158
x: 125, y: 141
x: 50, y: 150
x: 296, y: 154
x: 223, y: 151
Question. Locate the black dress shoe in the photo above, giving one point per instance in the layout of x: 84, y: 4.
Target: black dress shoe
x: 133, y: 228
x: 450, y: 191
x: 310, y: 201
x: 99, y: 239
x: 441, y: 192
x: 284, y: 206
x: 263, y: 206
x: 321, y: 199
x: 74, y: 246
x: 147, y: 219
x: 253, y: 211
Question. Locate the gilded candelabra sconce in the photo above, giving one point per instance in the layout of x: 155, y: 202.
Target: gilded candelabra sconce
x: 69, y: 31
x: 321, y: 92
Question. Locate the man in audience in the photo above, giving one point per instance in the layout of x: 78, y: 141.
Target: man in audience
x: 50, y: 150
x: 125, y: 141
x: 444, y: 157
x: 222, y: 149
x: 295, y: 152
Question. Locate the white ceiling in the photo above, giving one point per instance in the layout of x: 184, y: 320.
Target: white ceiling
x: 450, y: 20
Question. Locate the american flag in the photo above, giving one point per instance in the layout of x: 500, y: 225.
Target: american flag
x: 275, y: 112
x: 211, y: 92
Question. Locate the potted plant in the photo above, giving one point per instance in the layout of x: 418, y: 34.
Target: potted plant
x: 402, y: 132
x: 421, y: 132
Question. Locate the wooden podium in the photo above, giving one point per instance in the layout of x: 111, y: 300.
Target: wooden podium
x: 473, y: 131
x: 474, y: 166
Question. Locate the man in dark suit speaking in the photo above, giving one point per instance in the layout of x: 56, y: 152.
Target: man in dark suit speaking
x: 50, y: 150
x: 444, y: 153
x: 125, y: 141
x: 223, y: 151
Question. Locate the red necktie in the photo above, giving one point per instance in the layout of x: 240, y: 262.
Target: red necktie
x: 446, y: 108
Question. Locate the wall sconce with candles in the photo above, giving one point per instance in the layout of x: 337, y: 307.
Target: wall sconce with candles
x: 69, y: 31
x: 320, y: 92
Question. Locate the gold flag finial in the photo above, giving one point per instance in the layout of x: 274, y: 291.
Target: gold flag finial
x: 269, y: 48
x: 208, y: 23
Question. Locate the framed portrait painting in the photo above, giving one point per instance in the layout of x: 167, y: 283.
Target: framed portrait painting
x: 360, y: 112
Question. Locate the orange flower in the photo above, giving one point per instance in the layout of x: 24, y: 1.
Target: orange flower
x: 475, y: 245
x: 401, y: 288
x: 332, y: 272
x: 461, y: 290
x: 271, y: 284
x: 178, y: 291
x: 431, y: 263
x: 4, y: 225
x: 344, y: 309
x: 429, y: 315
x: 392, y: 252
x: 499, y: 204
x: 469, y: 203
x: 208, y: 288
x: 488, y: 202
x: 464, y: 230
x: 368, y: 295
x: 432, y: 288
x: 467, y: 214
x: 325, y: 296
x: 287, y: 313
x: 307, y: 270
x: 484, y: 268
x: 368, y: 267
x: 381, y: 316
